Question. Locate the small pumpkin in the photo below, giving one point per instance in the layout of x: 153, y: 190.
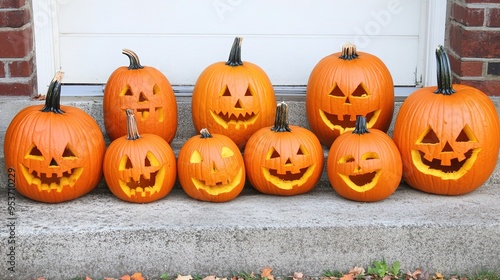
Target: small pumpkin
x: 448, y: 135
x: 233, y: 98
x: 364, y: 165
x: 145, y: 90
x: 56, y: 150
x: 211, y: 168
x: 344, y: 85
x: 139, y: 168
x: 283, y: 159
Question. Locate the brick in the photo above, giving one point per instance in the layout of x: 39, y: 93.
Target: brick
x: 466, y: 68
x: 21, y: 68
x: 467, y: 16
x: 489, y: 87
x: 18, y: 89
x: 472, y: 43
x: 2, y: 69
x: 493, y: 18
x: 16, y: 43
x: 14, y: 18
x: 12, y: 3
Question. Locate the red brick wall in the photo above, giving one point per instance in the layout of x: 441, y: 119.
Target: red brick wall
x: 473, y: 41
x: 17, y: 56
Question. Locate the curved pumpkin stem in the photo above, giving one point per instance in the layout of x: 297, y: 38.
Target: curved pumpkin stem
x: 134, y: 59
x: 348, y: 52
x: 132, y: 131
x: 360, y: 126
x: 53, y: 97
x: 235, y: 53
x: 281, y: 120
x: 205, y: 134
x: 444, y: 78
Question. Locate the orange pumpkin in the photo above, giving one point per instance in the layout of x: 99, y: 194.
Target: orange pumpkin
x: 211, y: 168
x: 364, y: 165
x: 233, y: 98
x: 344, y: 85
x: 283, y: 159
x: 448, y: 135
x: 56, y: 150
x: 139, y: 168
x: 145, y: 90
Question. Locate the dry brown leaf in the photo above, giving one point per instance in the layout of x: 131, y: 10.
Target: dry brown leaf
x: 210, y: 277
x: 387, y: 277
x: 438, y: 276
x: 355, y: 271
x: 137, y: 276
x: 298, y: 275
x: 184, y: 277
x: 87, y: 278
x: 266, y: 273
x: 347, y: 277
x: 125, y: 277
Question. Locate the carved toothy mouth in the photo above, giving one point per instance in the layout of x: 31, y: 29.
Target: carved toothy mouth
x: 220, y: 187
x: 345, y: 123
x: 51, y: 181
x: 236, y: 119
x: 455, y: 170
x: 288, y: 180
x: 147, y: 185
x: 361, y: 182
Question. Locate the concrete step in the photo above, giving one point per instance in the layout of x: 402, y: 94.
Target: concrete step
x: 99, y: 235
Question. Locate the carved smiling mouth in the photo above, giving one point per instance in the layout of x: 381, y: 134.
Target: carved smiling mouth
x: 288, y: 180
x: 454, y: 171
x: 361, y: 182
x: 52, y: 181
x: 220, y: 187
x: 237, y: 119
x: 344, y: 123
x: 147, y: 185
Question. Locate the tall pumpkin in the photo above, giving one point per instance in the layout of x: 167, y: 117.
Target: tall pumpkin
x: 145, y: 90
x: 344, y: 85
x: 139, y: 168
x: 233, y: 98
x: 283, y: 159
x: 56, y: 150
x: 448, y: 135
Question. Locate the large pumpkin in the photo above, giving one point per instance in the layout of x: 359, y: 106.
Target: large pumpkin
x: 233, y: 98
x: 57, y: 151
x: 139, y: 168
x: 145, y: 90
x: 364, y: 165
x: 344, y: 85
x: 211, y: 168
x: 448, y: 135
x: 283, y: 159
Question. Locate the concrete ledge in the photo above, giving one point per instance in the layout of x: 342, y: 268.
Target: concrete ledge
x: 99, y: 235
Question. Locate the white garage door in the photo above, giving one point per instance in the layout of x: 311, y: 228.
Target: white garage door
x: 84, y: 38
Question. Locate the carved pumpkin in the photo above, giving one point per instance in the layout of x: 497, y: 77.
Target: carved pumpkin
x: 56, y: 150
x: 344, y: 85
x: 283, y: 159
x: 211, y: 168
x: 448, y: 135
x: 233, y: 98
x: 139, y: 168
x: 364, y: 165
x: 145, y: 90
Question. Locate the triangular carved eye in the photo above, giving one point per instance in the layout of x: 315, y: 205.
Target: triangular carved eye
x: 128, y: 164
x: 151, y: 160
x: 428, y: 137
x: 360, y: 91
x: 466, y: 135
x: 34, y: 153
x: 156, y: 89
x: 274, y: 154
x: 225, y: 92
x: 126, y: 92
x: 226, y: 152
x: 249, y: 92
x: 302, y: 151
x: 143, y: 98
x: 336, y: 92
x: 68, y: 152
x: 196, y: 157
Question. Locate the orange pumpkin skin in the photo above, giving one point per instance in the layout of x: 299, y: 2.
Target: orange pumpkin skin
x: 233, y: 98
x: 211, y: 168
x: 344, y: 85
x: 283, y: 160
x: 57, y: 154
x: 145, y: 90
x: 448, y: 136
x: 139, y: 168
x: 364, y: 165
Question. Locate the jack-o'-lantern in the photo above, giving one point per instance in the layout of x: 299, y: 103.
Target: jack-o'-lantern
x: 233, y: 98
x: 139, y: 168
x: 448, y: 135
x: 364, y: 165
x: 211, y: 168
x: 344, y: 85
x: 56, y: 150
x: 283, y: 159
x: 145, y: 90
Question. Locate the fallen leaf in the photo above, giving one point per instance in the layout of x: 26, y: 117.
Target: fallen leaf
x: 211, y: 277
x: 438, y: 276
x: 347, y: 277
x: 266, y: 273
x: 387, y: 277
x: 184, y: 277
x: 87, y: 278
x: 137, y: 276
x: 355, y: 271
x: 298, y: 275
x: 125, y: 277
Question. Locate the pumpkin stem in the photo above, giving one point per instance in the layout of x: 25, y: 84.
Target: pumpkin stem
x: 235, y: 53
x: 348, y: 52
x: 134, y: 59
x: 444, y: 79
x: 205, y: 134
x: 132, y: 131
x: 53, y: 97
x: 360, y: 126
x: 281, y: 120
